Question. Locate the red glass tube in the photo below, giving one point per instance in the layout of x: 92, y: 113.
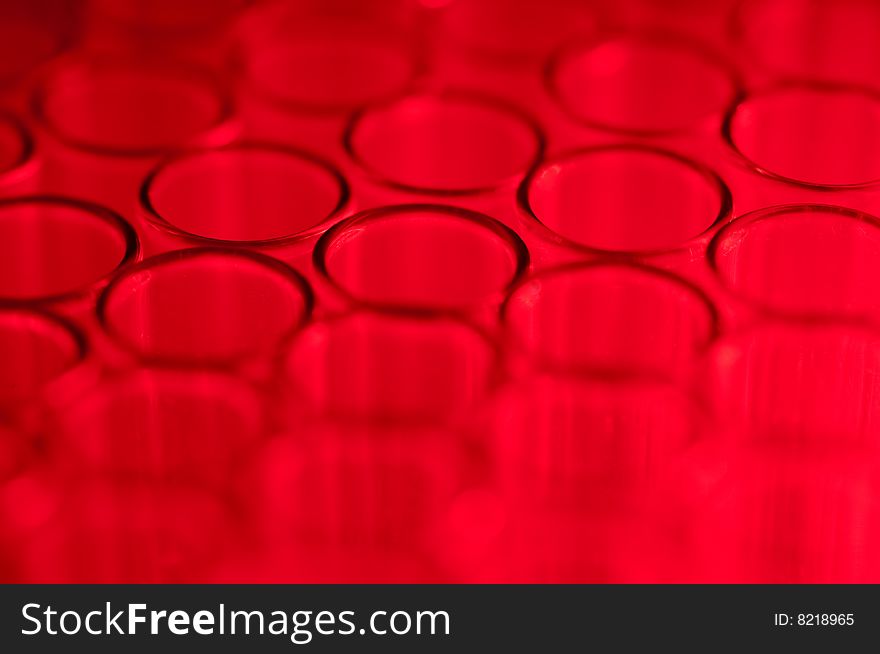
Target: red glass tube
x: 430, y: 257
x: 624, y: 198
x: 453, y: 142
x: 591, y: 444
x: 385, y: 366
x: 107, y: 120
x: 38, y: 351
x: 205, y: 306
x: 302, y: 67
x: 130, y: 108
x: 57, y: 250
x: 598, y: 412
x: 245, y: 194
x: 155, y: 424
x: 811, y: 39
x: 813, y: 134
x: 808, y: 384
x: 802, y: 261
x: 300, y: 85
x: 609, y: 319
x: 642, y: 84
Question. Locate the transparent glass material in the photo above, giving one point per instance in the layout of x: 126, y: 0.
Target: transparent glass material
x: 154, y: 424
x: 802, y: 261
x: 641, y: 84
x: 591, y: 318
x: 389, y: 366
x: 205, y: 306
x: 812, y: 134
x: 430, y: 257
x: 624, y: 198
x: 55, y: 249
x: 447, y: 143
x: 244, y: 194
